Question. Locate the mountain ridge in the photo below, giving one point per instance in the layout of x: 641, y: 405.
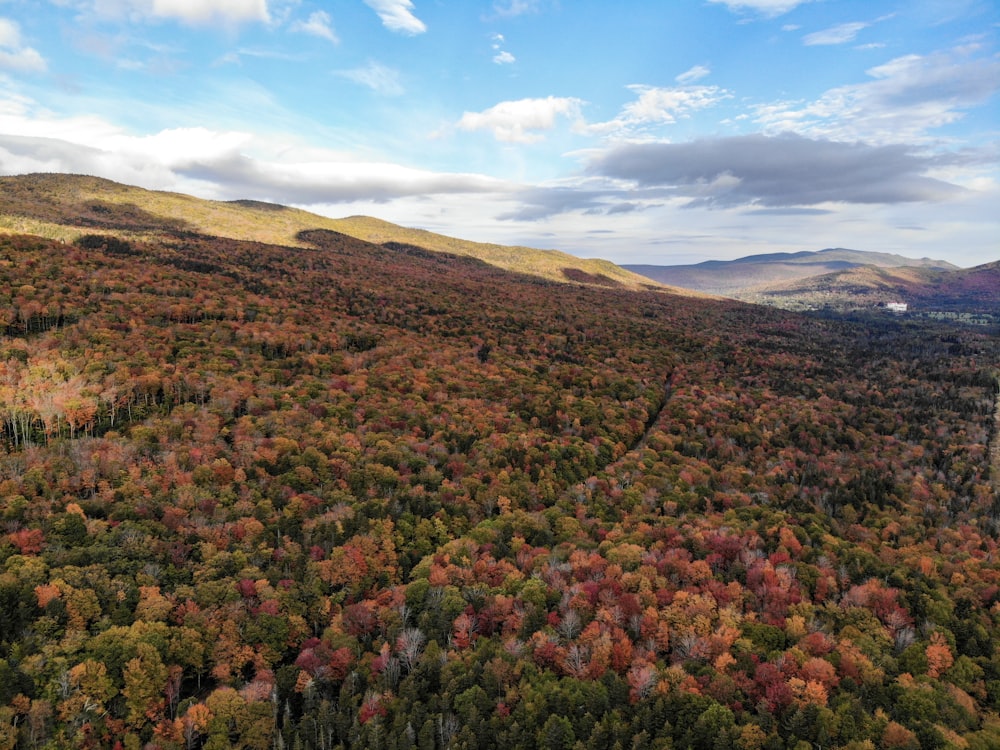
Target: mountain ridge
x: 62, y: 206
x: 841, y: 279
x: 754, y: 273
x: 960, y: 290
x: 833, y: 255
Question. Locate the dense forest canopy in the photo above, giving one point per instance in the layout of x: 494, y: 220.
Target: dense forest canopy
x: 375, y: 497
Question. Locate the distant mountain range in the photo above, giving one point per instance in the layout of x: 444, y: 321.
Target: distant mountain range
x: 841, y: 279
x: 733, y: 278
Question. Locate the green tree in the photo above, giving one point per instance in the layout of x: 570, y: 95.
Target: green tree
x: 556, y: 734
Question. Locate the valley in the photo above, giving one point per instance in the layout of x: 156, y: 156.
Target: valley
x: 337, y: 493
x: 842, y: 281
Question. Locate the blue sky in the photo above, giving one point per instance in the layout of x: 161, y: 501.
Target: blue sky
x: 642, y: 132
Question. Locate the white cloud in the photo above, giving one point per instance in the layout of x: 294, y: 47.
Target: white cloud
x: 327, y: 181
x: 10, y: 33
x: 397, y: 15
x: 14, y: 55
x: 192, y: 12
x: 907, y: 98
x: 840, y: 34
x: 210, y: 11
x: 235, y: 57
x: 519, y: 121
x: 375, y: 76
x: 502, y: 56
x: 694, y: 74
x: 319, y: 24
x: 661, y: 106
x: 20, y: 117
x: 180, y: 145
x: 511, y: 8
x: 665, y: 104
x: 769, y: 8
x: 221, y: 164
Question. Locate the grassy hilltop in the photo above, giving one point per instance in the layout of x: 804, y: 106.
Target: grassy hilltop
x: 64, y: 206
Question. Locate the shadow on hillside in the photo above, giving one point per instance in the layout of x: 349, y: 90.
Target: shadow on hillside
x: 121, y: 216
x: 598, y: 279
x: 260, y: 205
x: 328, y: 239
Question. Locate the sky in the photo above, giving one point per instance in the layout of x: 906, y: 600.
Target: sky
x: 646, y: 131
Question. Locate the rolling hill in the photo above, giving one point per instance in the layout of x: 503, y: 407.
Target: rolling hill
x: 64, y: 206
x: 967, y: 290
x: 746, y: 276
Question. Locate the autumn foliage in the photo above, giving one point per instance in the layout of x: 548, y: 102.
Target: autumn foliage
x: 374, y: 497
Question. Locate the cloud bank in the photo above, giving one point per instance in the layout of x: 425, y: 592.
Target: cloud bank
x: 775, y: 171
x: 313, y: 183
x: 222, y: 164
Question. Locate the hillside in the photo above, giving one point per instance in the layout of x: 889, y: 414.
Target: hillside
x: 63, y: 206
x: 744, y: 277
x: 370, y: 496
x: 968, y: 291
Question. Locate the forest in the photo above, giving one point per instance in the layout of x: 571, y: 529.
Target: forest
x: 372, y: 496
